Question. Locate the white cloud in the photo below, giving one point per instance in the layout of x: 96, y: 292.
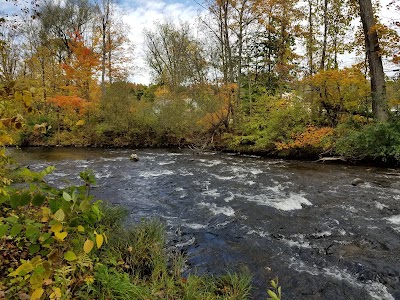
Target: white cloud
x: 142, y: 14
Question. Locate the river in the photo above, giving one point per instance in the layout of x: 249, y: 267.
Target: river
x: 303, y: 222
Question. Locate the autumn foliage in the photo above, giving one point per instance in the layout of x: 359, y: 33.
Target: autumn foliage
x: 312, y: 137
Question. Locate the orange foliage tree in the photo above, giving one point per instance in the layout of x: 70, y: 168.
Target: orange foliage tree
x: 312, y: 137
x: 80, y: 67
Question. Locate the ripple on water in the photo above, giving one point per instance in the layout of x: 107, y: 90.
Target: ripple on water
x: 211, y: 193
x: 395, y: 220
x: 163, y: 163
x: 223, y: 177
x: 210, y: 163
x: 216, y: 210
x: 375, y: 289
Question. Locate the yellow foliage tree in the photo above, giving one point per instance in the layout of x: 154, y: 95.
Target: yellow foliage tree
x: 336, y: 92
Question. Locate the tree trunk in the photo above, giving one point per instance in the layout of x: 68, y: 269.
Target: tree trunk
x: 105, y: 19
x: 325, y: 41
x: 378, y: 86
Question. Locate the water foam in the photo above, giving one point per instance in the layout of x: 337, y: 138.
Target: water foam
x: 395, y: 220
x: 291, y: 202
x: 212, y: 193
x: 380, y: 206
x: 150, y: 174
x: 230, y: 197
x: 163, y: 163
x: 195, y: 225
x: 223, y: 177
x: 375, y: 289
x: 210, y: 163
x: 227, y: 211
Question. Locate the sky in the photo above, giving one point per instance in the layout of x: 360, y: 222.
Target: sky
x: 142, y: 14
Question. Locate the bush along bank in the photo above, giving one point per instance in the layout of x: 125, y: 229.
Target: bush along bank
x: 63, y: 244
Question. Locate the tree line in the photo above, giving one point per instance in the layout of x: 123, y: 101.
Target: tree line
x: 262, y: 75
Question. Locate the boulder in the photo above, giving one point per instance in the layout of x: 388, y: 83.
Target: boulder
x: 134, y: 157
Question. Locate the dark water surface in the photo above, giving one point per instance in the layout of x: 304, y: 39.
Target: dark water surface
x: 303, y: 222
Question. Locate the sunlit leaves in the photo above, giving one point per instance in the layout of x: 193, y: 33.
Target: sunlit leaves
x: 70, y: 256
x: 88, y: 246
x: 99, y: 240
x: 37, y: 294
x: 59, y: 215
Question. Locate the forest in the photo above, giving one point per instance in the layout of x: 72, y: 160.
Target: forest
x: 258, y: 76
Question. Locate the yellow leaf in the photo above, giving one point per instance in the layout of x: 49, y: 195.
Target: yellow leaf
x: 56, y: 294
x: 60, y: 236
x: 88, y: 246
x: 89, y: 279
x: 56, y: 227
x: 37, y: 294
x: 99, y: 240
x: 22, y: 270
x: 45, y: 214
x: 81, y: 228
x: 80, y: 123
x: 105, y: 238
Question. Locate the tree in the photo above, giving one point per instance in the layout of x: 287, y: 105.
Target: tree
x: 281, y: 21
x: 175, y: 57
x: 113, y: 36
x: 61, y: 18
x: 377, y: 75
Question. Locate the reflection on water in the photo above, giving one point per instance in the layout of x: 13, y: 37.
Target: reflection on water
x: 303, y: 222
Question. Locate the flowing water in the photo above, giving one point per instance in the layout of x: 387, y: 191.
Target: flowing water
x: 303, y: 222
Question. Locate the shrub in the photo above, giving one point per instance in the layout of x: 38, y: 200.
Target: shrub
x: 377, y: 141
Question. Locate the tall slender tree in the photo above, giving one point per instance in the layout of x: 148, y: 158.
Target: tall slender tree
x: 373, y: 51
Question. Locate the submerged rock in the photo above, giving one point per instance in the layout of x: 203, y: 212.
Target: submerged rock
x: 357, y: 181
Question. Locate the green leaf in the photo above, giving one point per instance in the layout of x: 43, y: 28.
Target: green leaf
x: 67, y: 197
x: 3, y: 229
x: 272, y: 295
x: 25, y: 199
x: 15, y: 200
x: 70, y: 256
x: 34, y: 248
x: 55, y: 205
x: 85, y: 205
x: 32, y: 232
x: 273, y: 284
x: 4, y: 199
x: 12, y: 220
x: 15, y: 230
x: 59, y: 215
x: 45, y: 236
x: 38, y: 199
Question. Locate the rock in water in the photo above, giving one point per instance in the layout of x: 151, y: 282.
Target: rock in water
x: 134, y: 157
x: 357, y: 181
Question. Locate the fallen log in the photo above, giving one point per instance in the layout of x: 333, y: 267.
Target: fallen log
x: 332, y: 159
